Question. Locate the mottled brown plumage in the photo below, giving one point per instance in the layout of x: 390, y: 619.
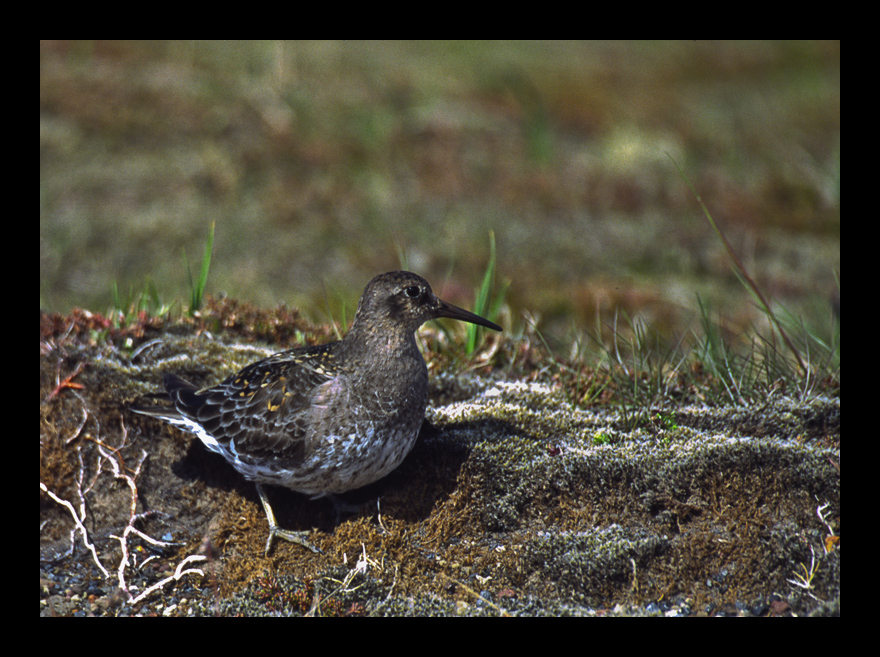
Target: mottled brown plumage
x: 329, y: 418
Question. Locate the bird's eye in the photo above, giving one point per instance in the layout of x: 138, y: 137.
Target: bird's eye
x: 412, y: 291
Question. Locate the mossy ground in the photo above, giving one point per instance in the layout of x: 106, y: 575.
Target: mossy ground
x: 514, y: 500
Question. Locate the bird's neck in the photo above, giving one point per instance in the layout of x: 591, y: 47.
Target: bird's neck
x: 380, y: 343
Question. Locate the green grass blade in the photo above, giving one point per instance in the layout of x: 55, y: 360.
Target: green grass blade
x: 197, y: 289
x: 482, y: 301
x: 750, y: 282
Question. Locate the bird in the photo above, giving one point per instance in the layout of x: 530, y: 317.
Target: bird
x: 324, y: 419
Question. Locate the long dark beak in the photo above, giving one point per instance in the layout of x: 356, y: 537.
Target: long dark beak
x: 448, y: 310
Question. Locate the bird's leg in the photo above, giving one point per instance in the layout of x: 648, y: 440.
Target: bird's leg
x: 274, y: 530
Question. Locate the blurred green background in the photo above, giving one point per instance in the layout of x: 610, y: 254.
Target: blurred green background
x: 325, y: 163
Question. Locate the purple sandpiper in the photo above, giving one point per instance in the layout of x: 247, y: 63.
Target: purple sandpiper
x: 328, y: 418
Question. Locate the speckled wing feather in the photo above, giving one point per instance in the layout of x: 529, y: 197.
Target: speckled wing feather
x: 263, y: 410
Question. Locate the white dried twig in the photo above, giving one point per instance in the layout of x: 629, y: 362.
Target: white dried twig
x: 79, y: 527
x: 119, y: 471
x: 178, y: 573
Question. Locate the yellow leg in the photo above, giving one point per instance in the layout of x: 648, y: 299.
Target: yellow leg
x: 274, y: 530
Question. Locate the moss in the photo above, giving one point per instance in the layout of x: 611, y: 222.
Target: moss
x: 507, y: 504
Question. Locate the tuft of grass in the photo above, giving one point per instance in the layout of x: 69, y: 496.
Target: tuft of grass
x: 644, y: 374
x: 812, y: 362
x: 645, y: 379
x: 197, y: 288
x: 484, y: 304
x: 750, y: 283
x: 126, y: 308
